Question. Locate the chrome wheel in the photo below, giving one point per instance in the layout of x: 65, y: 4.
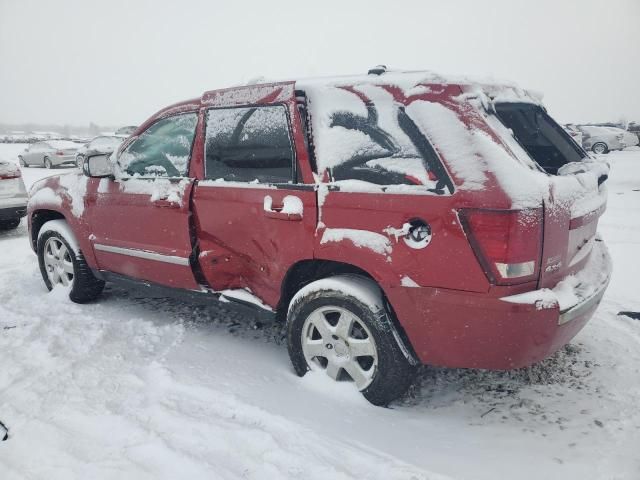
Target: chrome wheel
x: 338, y: 342
x: 600, y: 148
x: 57, y: 262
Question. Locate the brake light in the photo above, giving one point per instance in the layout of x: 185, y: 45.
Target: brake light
x: 60, y: 153
x: 10, y: 175
x: 507, y: 243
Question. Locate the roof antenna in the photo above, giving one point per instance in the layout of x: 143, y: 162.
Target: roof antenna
x: 377, y: 70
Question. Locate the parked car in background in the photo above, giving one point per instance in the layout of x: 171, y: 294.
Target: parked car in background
x: 99, y: 145
x: 574, y: 132
x: 126, y: 131
x: 13, y: 196
x: 54, y: 153
x: 634, y: 128
x: 432, y: 224
x: 602, y: 139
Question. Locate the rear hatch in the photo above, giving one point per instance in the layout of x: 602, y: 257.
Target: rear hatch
x: 577, y: 191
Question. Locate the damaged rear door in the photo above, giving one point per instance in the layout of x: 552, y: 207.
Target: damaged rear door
x: 255, y: 209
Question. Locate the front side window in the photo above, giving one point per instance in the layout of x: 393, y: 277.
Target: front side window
x: 249, y: 144
x: 163, y: 150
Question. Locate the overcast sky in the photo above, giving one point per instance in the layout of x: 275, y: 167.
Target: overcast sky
x: 116, y: 62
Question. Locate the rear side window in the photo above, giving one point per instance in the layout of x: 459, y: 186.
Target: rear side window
x: 544, y: 140
x: 361, y: 133
x: 163, y: 150
x: 249, y: 144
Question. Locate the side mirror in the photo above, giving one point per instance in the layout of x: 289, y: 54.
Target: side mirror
x: 97, y: 166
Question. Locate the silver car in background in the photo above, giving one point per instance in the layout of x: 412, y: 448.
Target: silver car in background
x: 13, y: 196
x: 604, y: 139
x: 52, y: 153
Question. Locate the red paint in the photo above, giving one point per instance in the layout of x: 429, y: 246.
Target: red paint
x: 456, y: 317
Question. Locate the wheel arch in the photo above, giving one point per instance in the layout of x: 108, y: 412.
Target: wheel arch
x: 304, y: 272
x: 38, y: 219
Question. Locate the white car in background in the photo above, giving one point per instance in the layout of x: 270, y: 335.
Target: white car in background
x: 574, y: 132
x: 13, y: 196
x: 604, y: 139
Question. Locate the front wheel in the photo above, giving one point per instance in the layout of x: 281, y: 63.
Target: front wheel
x: 348, y: 336
x: 62, y: 265
x: 600, y: 148
x: 47, y: 162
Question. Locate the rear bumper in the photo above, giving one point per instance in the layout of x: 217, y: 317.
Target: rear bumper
x: 12, y: 213
x: 472, y: 330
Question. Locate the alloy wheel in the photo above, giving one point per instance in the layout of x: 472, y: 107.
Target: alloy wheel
x: 58, y: 262
x: 338, y: 342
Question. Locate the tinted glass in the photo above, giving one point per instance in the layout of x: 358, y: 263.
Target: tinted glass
x: 249, y: 144
x: 544, y: 140
x: 163, y: 150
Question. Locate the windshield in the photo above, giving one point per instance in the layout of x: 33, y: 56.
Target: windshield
x: 543, y: 139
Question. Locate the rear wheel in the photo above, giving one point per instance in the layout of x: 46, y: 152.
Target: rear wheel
x: 9, y: 224
x: 47, y: 162
x: 600, y: 148
x: 349, y: 337
x: 61, y: 265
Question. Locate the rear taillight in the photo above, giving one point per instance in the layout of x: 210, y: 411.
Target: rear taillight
x: 507, y: 243
x: 10, y: 175
x: 60, y: 153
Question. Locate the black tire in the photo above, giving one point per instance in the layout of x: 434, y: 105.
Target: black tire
x: 394, y: 374
x: 22, y: 162
x: 47, y: 163
x: 9, y: 224
x: 598, y: 145
x: 85, y: 287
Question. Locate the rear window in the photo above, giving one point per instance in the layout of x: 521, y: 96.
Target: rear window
x: 543, y: 139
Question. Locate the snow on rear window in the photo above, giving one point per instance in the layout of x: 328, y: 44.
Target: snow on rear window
x: 471, y: 153
x: 358, y: 135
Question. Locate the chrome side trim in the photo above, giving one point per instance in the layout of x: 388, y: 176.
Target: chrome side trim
x: 145, y: 254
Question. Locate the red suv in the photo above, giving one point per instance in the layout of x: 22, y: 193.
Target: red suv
x: 391, y: 219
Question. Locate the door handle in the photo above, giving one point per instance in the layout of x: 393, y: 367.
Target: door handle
x: 164, y: 203
x: 291, y: 208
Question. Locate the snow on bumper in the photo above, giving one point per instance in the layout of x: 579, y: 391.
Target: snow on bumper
x: 576, y: 294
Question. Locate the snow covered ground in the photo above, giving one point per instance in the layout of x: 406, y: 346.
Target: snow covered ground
x: 154, y: 388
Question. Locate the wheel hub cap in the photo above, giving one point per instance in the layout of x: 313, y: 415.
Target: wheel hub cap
x: 338, y: 342
x: 57, y: 262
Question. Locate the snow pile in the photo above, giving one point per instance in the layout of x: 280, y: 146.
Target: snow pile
x: 472, y: 153
x: 291, y: 205
x: 360, y: 238
x: 44, y: 197
x: 75, y: 185
x: 364, y: 290
x: 157, y: 189
x: 573, y: 289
